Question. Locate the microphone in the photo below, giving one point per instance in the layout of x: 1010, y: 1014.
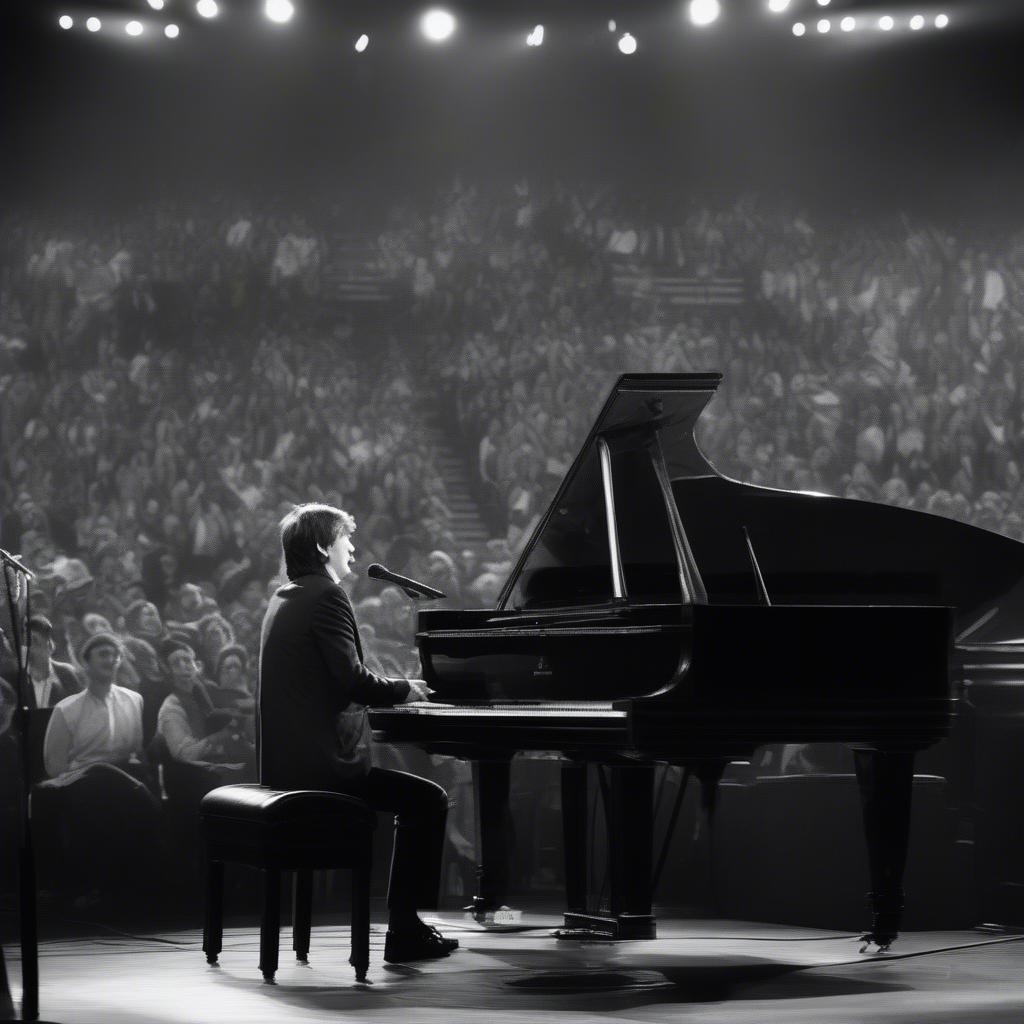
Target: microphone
x: 411, y: 587
x: 9, y: 559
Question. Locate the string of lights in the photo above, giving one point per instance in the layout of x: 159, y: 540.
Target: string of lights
x: 439, y: 25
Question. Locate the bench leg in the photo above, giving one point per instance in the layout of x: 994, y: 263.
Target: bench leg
x: 213, y: 920
x: 360, y: 956
x: 270, y: 926
x: 302, y: 914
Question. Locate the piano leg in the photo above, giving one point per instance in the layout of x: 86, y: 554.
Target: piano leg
x: 574, y: 834
x: 631, y: 834
x: 885, y: 779
x: 709, y: 774
x: 491, y: 781
x: 630, y: 854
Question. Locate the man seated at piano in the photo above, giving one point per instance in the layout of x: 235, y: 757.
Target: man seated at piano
x: 312, y: 726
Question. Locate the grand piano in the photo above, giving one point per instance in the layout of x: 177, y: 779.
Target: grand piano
x: 661, y: 613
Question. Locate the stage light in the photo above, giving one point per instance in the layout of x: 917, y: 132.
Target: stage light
x: 777, y: 6
x: 704, y: 12
x: 941, y: 21
x: 885, y: 23
x: 93, y: 24
x: 824, y: 3
x: 362, y: 43
x: 66, y: 21
x: 207, y: 8
x: 611, y: 25
x: 824, y: 26
x: 848, y: 24
x: 172, y: 31
x: 536, y: 37
x: 799, y: 28
x: 279, y: 11
x: 437, y: 24
x: 157, y: 5
x: 627, y: 45
x: 134, y: 28
x: 917, y: 22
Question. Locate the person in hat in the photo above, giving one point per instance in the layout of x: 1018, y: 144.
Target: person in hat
x: 312, y: 693
x: 98, y: 818
x: 102, y: 724
x: 52, y: 680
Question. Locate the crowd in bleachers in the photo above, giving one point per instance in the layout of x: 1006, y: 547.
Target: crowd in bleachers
x: 171, y: 383
x: 875, y: 359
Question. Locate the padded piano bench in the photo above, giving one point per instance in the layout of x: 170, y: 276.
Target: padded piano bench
x: 287, y: 830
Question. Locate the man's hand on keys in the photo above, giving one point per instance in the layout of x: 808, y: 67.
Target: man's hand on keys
x: 418, y: 690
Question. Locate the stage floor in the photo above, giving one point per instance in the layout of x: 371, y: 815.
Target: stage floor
x: 715, y: 971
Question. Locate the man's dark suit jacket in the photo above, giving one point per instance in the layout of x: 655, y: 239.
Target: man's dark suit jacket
x: 311, y: 668
x: 66, y: 684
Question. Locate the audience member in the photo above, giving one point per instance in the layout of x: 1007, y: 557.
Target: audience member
x: 98, y: 820
x: 101, y: 724
x: 191, y: 725
x: 52, y: 680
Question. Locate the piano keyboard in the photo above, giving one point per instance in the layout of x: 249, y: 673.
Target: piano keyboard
x: 548, y: 709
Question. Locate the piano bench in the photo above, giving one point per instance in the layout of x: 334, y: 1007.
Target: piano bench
x: 276, y: 830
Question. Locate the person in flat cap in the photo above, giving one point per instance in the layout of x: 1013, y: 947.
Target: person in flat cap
x: 99, y: 820
x: 100, y: 725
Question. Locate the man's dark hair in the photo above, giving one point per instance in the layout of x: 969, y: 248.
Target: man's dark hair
x: 303, y: 529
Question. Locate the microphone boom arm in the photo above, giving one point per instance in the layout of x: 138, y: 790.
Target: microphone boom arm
x: 412, y: 588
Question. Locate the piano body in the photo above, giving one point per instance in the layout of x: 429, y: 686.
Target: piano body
x: 634, y: 631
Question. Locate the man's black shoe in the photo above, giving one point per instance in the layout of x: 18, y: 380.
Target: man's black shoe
x: 422, y: 943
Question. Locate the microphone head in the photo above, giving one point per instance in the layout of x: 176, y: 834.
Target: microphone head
x: 376, y: 571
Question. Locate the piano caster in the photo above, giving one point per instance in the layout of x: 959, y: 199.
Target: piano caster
x: 885, y: 923
x: 869, y: 939
x: 479, y: 908
x: 488, y: 915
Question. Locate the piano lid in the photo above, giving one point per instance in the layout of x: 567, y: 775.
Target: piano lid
x: 811, y: 549
x: 571, y: 558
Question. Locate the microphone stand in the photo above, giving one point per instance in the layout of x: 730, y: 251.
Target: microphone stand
x: 28, y: 920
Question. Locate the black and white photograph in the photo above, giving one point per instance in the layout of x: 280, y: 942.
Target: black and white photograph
x: 511, y: 510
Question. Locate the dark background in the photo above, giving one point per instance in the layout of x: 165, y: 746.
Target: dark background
x: 928, y: 119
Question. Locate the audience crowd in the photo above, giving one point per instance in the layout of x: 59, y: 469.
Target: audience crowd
x: 171, y: 383
x: 875, y: 360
